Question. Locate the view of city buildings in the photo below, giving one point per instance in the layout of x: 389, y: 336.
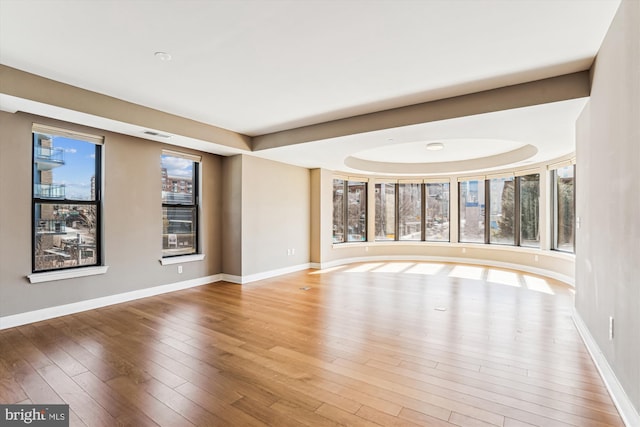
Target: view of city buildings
x: 179, y: 210
x: 64, y: 224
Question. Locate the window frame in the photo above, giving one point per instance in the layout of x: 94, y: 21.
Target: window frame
x: 421, y: 192
x: 345, y: 209
x: 517, y: 241
x: 98, y: 142
x: 395, y: 209
x: 516, y: 209
x: 482, y: 181
x: 519, y: 210
x: 554, y: 208
x: 426, y: 199
x: 195, y: 205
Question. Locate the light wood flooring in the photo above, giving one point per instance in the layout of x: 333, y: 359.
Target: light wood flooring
x: 392, y: 344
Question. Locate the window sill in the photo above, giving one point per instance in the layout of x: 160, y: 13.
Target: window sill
x: 50, y: 276
x: 181, y: 259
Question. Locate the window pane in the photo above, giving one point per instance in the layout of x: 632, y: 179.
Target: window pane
x: 437, y: 209
x: 338, y: 211
x: 564, y: 203
x: 63, y: 168
x: 530, y: 210
x: 65, y: 236
x: 177, y: 180
x: 502, y: 210
x: 385, y: 211
x: 357, y: 214
x: 65, y: 202
x: 178, y: 230
x: 410, y: 211
x: 472, y: 211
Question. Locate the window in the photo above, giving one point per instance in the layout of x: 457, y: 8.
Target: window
x: 179, y: 203
x: 502, y: 211
x: 471, y: 208
x: 437, y: 212
x: 529, y: 192
x: 513, y: 215
x: 385, y: 211
x: 351, y: 212
x: 66, y: 199
x: 564, y: 208
x: 357, y: 211
x: 410, y: 211
x: 338, y: 211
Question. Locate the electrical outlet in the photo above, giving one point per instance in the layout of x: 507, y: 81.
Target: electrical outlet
x: 288, y: 252
x: 293, y: 251
x: 179, y: 269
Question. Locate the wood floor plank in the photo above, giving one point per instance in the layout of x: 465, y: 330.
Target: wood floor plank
x: 118, y: 405
x: 343, y: 417
x: 267, y: 414
x: 158, y: 411
x: 379, y: 417
x: 87, y: 409
x: 423, y: 419
x: 385, y: 343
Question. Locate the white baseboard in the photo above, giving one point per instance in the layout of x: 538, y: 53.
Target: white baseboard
x: 231, y: 278
x: 620, y: 398
x: 76, y: 307
x: 241, y: 280
x: 491, y: 263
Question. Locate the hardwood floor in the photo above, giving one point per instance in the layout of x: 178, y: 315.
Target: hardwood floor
x: 393, y: 344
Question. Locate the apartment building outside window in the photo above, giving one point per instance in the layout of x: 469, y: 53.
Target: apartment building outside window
x: 66, y: 199
x: 180, y: 203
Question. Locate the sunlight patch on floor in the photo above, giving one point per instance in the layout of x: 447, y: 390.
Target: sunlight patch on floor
x: 538, y: 284
x: 502, y: 277
x: 364, y: 267
x: 395, y: 267
x: 467, y: 272
x: 328, y: 270
x: 427, y: 269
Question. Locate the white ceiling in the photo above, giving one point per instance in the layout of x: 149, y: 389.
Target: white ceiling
x: 257, y: 67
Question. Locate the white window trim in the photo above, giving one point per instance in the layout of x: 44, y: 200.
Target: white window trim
x: 181, y: 259
x: 50, y: 276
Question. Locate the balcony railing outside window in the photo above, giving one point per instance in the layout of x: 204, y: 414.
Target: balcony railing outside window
x: 49, y: 154
x: 51, y: 226
x: 49, y: 191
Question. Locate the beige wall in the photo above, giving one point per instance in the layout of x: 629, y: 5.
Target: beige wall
x: 275, y: 215
x: 232, y: 215
x: 608, y: 202
x: 131, y: 219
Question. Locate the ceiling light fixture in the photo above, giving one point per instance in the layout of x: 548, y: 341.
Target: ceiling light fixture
x: 163, y: 56
x: 435, y: 146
